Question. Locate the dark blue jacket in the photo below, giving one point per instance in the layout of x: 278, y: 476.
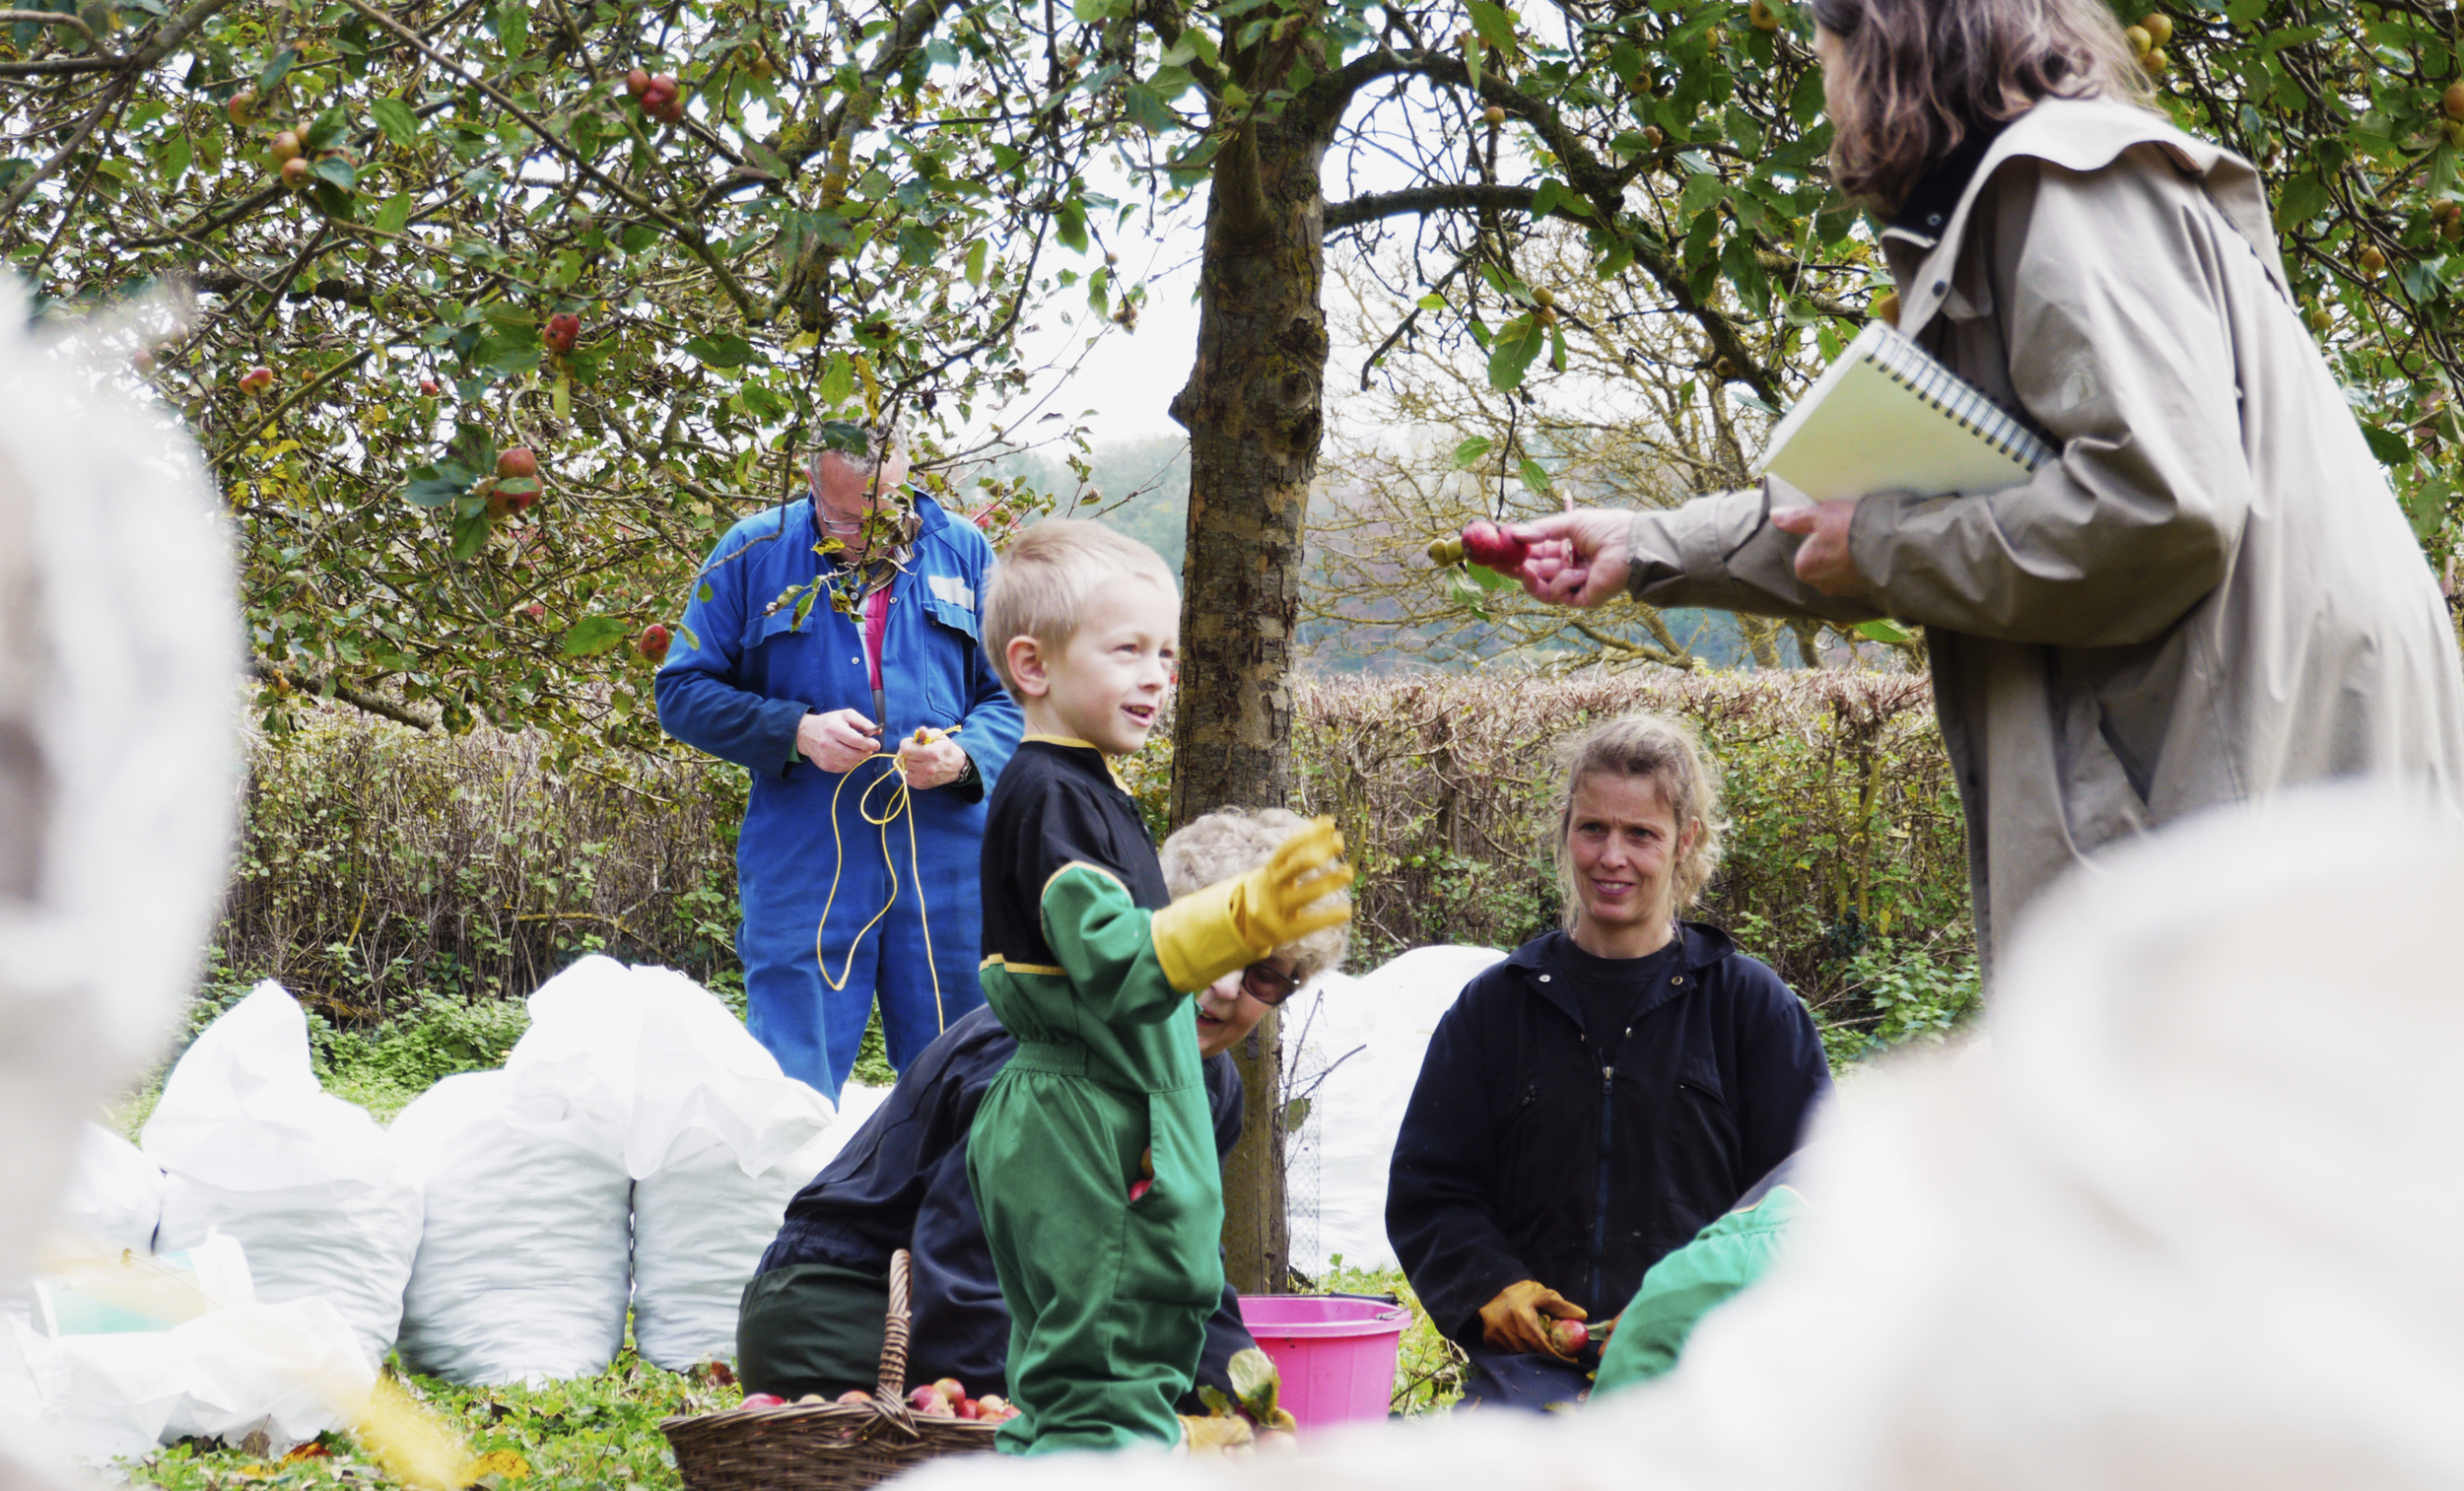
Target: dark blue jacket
x: 1534, y: 1149
x: 902, y: 1183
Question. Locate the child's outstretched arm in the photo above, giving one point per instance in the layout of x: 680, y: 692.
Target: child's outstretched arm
x: 1234, y: 922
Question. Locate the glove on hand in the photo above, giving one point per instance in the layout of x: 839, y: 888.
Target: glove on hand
x: 1234, y: 922
x: 1512, y: 1320
x: 1214, y: 1436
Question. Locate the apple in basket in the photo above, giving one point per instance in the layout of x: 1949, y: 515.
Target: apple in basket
x: 763, y: 1400
x: 854, y: 1395
x: 928, y: 1401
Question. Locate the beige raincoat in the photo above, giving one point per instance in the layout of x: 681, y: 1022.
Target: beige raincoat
x: 2210, y: 596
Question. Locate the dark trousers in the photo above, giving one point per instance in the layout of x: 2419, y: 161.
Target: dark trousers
x: 1527, y: 1380
x: 811, y: 1327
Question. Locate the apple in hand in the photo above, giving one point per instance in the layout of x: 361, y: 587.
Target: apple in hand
x: 1491, y: 547
x: 1569, y: 1336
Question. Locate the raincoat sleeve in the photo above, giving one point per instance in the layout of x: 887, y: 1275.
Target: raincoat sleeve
x: 700, y: 700
x: 1782, y: 1074
x: 1439, y: 1212
x: 2123, y: 359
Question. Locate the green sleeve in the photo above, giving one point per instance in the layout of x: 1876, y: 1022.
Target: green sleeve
x: 1106, y: 945
x: 1688, y: 1284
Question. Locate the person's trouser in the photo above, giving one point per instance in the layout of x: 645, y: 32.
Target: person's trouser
x: 1530, y: 1379
x: 924, y: 986
x: 811, y: 1327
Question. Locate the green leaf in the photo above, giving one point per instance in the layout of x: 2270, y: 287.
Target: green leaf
x: 705, y: 593
x: 1471, y: 450
x: 337, y: 171
x: 470, y: 534
x: 395, y: 215
x: 275, y: 70
x: 723, y: 350
x: 435, y: 486
x: 1495, y: 25
x: 1490, y: 579
x: 1461, y: 588
x: 2390, y: 448
x: 977, y: 252
x: 594, y: 634
x: 1885, y: 630
x: 1433, y: 302
x: 837, y: 381
x: 395, y: 118
x: 1535, y: 476
x: 1071, y: 226
x: 1512, y: 351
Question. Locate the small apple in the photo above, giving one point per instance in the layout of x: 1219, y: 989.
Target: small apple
x: 1760, y: 15
x: 2138, y: 39
x: 763, y: 1400
x: 1494, y: 548
x: 1569, y: 1336
x: 920, y: 1397
x: 535, y: 611
x: 256, y: 381
x: 2373, y: 261
x: 428, y: 387
x: 1885, y: 307
x: 2156, y: 62
x: 517, y: 463
x: 143, y: 362
x: 564, y: 329
x: 1543, y: 296
x: 854, y: 1395
x: 295, y: 173
x: 2159, y: 25
x: 637, y: 82
x: 2319, y: 320
x: 1494, y: 114
x: 951, y: 1388
x: 520, y: 500
x: 968, y: 1408
x: 240, y: 107
x: 653, y: 644
x: 992, y: 1404
x: 1548, y: 315
x: 2452, y: 101
x: 1653, y: 137
x: 283, y: 147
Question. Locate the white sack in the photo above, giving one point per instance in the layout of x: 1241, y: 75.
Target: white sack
x: 278, y: 1370
x: 719, y: 1141
x: 251, y: 1146
x: 2192, y: 1224
x: 114, y: 1197
x: 119, y: 654
x: 1368, y: 1035
x: 523, y: 1266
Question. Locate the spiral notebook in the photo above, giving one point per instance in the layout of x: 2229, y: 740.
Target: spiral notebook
x: 1887, y: 417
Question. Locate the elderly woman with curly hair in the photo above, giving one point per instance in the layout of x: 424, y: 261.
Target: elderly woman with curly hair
x: 1590, y: 1103
x: 811, y: 1319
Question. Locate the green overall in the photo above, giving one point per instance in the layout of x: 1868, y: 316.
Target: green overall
x: 1108, y: 1297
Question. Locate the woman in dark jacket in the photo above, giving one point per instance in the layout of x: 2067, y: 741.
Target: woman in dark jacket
x: 1591, y: 1103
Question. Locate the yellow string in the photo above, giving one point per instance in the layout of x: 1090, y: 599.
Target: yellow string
x: 901, y: 806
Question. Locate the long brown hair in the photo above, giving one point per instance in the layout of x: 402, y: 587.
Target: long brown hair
x: 1919, y: 76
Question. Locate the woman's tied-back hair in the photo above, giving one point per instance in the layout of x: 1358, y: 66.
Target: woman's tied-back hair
x: 1664, y: 751
x: 1231, y: 842
x: 1918, y: 75
x: 1041, y: 586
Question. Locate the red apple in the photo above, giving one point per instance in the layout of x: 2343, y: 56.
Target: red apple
x: 564, y: 329
x: 256, y: 381
x: 428, y: 386
x: 653, y: 646
x: 922, y: 1396
x: 1492, y: 547
x: 967, y: 1407
x: 295, y: 173
x: 518, y: 501
x: 637, y: 82
x: 763, y: 1400
x: 283, y: 147
x: 854, y: 1395
x: 950, y: 1388
x: 516, y: 462
x: 535, y: 611
x: 1570, y: 1337
x: 241, y: 106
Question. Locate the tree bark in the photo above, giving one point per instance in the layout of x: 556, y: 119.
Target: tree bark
x: 1253, y: 407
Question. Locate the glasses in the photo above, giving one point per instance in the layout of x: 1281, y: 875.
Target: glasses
x: 1268, y: 985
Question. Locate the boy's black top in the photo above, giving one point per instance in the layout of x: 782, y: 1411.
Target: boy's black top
x: 1057, y: 804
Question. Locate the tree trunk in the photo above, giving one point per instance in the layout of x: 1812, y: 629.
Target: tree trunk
x: 1252, y: 407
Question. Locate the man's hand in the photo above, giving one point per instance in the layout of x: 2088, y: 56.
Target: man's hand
x: 1823, y: 559
x: 1577, y: 559
x: 838, y: 740
x: 1512, y: 1320
x: 934, y: 762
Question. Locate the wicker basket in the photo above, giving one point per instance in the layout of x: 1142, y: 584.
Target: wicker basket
x: 825, y: 1446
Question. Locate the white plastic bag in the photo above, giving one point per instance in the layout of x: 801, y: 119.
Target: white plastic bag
x: 249, y: 1144
x: 114, y: 1197
x: 1368, y: 1035
x: 524, y: 1264
x: 719, y: 1140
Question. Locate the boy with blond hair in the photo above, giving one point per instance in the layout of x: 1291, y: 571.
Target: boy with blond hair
x: 1092, y: 1158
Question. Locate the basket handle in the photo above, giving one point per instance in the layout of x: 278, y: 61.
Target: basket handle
x: 894, y: 1331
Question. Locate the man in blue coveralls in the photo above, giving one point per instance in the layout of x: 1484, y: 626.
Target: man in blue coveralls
x: 823, y: 702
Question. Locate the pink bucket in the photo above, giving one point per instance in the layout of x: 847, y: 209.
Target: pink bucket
x: 1337, y: 1353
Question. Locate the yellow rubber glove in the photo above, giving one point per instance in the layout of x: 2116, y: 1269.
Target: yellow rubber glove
x: 1214, y: 1436
x: 1512, y: 1320
x: 1232, y: 924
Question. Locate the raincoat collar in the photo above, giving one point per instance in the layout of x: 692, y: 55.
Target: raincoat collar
x: 1703, y: 946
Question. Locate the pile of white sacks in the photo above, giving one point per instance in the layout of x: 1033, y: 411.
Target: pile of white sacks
x: 638, y: 1149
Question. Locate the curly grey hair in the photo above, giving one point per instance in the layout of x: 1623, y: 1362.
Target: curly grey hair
x: 1233, y: 842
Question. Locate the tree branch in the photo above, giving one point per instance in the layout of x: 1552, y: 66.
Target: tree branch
x: 334, y: 688
x: 1455, y: 196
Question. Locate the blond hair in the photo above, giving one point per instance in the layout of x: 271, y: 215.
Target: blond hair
x: 1662, y: 750
x: 1231, y: 842
x: 1041, y: 586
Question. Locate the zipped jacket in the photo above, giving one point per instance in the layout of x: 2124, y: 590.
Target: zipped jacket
x: 1536, y: 1149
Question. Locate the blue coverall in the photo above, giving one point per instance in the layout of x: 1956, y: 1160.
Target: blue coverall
x: 740, y: 682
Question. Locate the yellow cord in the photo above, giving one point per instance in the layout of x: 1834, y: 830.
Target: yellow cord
x: 901, y: 806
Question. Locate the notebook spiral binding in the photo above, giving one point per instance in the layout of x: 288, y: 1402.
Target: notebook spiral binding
x: 1906, y: 363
